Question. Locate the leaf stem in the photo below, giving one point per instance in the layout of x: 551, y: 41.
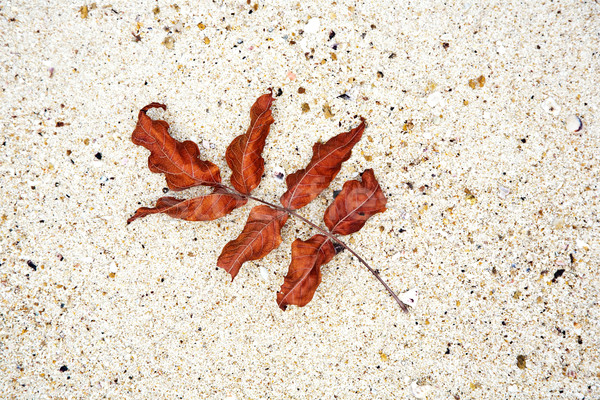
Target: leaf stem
x: 330, y: 235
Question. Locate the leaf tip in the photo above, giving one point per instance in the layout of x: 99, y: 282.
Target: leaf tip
x: 153, y: 105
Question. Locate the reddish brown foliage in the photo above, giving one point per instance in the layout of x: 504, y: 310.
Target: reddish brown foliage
x: 355, y: 204
x: 244, y: 153
x: 260, y: 236
x: 203, y: 208
x: 304, y: 272
x: 180, y: 163
x: 306, y: 184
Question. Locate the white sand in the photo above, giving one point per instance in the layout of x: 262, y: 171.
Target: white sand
x: 168, y: 323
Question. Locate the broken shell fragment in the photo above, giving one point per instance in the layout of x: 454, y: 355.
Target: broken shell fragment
x: 420, y: 392
x: 410, y: 297
x: 503, y: 191
x: 551, y: 106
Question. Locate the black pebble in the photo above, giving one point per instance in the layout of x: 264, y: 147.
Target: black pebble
x: 558, y: 274
x: 331, y: 35
x: 165, y: 190
x: 64, y: 368
x: 336, y: 193
x: 32, y: 265
x: 98, y: 156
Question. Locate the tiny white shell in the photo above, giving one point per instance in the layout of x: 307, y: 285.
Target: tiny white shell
x: 410, y: 297
x: 573, y: 123
x: 112, y: 268
x: 420, y: 392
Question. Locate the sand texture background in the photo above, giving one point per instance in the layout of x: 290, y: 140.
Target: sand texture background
x: 492, y: 200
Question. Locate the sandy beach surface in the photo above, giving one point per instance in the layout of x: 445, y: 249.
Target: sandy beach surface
x: 483, y: 131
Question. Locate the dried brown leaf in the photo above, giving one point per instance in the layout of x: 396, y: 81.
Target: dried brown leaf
x: 304, y: 272
x: 305, y: 184
x: 355, y: 204
x: 244, y: 154
x: 179, y: 161
x: 261, y: 235
x: 203, y: 208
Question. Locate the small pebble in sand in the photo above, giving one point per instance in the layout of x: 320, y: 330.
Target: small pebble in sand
x: 480, y: 81
x: 558, y: 223
x: 291, y: 76
x: 279, y: 173
x: 169, y: 42
x: 573, y: 123
x: 470, y: 197
x: 112, y: 268
x: 264, y: 273
x: 32, y: 265
x: 551, y: 107
x: 434, y: 99
x: 327, y: 111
